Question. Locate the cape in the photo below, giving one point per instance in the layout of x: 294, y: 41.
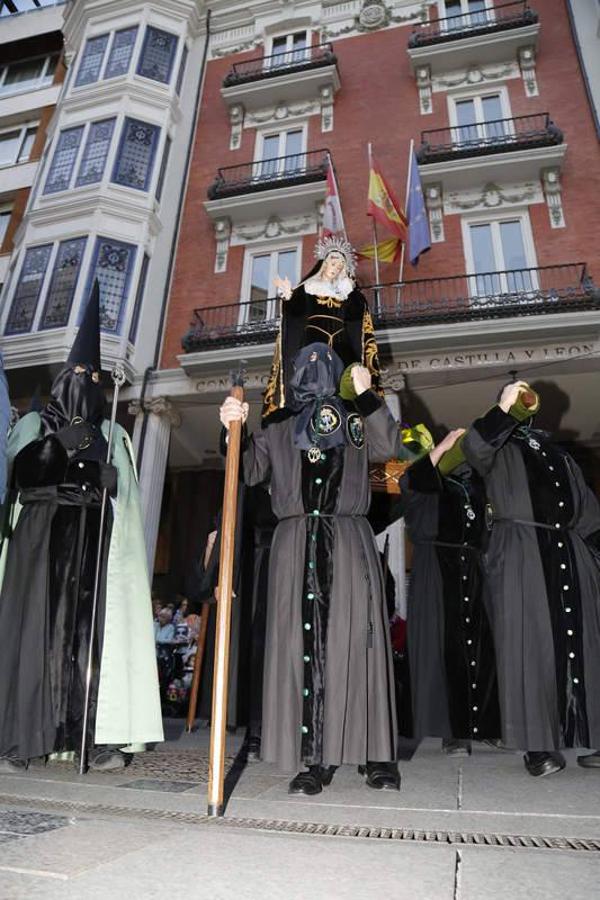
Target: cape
x: 128, y: 710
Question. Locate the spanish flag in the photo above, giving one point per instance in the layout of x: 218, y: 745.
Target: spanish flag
x: 383, y: 206
x: 387, y: 251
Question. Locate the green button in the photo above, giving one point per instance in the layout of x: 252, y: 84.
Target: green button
x: 306, y: 692
x: 307, y: 626
x: 315, y: 512
x: 318, y: 481
x: 323, y: 456
x: 314, y: 537
x: 304, y: 729
x: 311, y: 565
x: 306, y: 658
x: 310, y: 595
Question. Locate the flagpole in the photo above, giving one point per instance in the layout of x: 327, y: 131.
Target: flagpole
x: 374, y: 227
x: 403, y: 251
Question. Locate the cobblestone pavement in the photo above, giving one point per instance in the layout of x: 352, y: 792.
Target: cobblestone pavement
x: 460, y: 829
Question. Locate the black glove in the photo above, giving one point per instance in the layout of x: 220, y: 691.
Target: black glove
x: 75, y: 437
x: 108, y: 478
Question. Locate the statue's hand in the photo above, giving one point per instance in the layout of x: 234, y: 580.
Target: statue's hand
x: 283, y: 287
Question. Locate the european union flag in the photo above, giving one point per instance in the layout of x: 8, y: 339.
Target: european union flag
x: 419, y: 239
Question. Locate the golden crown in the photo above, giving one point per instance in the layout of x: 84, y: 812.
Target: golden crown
x: 333, y: 244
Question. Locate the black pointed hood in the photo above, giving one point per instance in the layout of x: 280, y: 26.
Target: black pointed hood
x: 86, y: 347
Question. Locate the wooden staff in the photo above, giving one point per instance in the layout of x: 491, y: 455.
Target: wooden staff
x: 198, y: 660
x: 216, y: 771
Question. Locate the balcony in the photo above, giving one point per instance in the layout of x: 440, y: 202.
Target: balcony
x: 254, y: 191
x: 491, y: 35
x: 516, y: 293
x: 297, y: 75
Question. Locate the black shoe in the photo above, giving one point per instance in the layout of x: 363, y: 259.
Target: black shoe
x: 252, y: 748
x: 9, y: 765
x: 453, y: 747
x: 590, y: 761
x: 382, y: 776
x: 539, y: 764
x: 103, y: 759
x: 312, y: 781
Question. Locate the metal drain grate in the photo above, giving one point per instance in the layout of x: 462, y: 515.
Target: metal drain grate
x: 285, y: 826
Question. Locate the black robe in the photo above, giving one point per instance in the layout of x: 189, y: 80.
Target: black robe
x: 542, y: 584
x: 451, y: 654
x: 46, y: 601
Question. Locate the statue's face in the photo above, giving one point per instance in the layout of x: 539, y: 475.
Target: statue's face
x: 334, y: 266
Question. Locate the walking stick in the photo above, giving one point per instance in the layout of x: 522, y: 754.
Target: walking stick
x: 216, y: 775
x: 198, y: 660
x: 118, y: 378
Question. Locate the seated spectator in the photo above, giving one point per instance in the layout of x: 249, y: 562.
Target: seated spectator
x: 181, y: 611
x: 164, y: 630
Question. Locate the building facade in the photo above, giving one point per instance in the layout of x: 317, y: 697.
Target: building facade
x: 185, y: 165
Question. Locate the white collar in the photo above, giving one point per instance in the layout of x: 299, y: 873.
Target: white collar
x: 338, y: 289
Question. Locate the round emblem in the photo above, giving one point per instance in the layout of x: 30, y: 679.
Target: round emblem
x: 329, y: 421
x: 356, y: 430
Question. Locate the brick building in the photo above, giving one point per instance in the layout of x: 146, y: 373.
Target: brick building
x: 500, y: 99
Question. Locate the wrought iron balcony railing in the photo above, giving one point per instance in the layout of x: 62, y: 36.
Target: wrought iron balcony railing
x: 297, y: 60
x: 482, y: 21
x: 261, y: 175
x: 429, y: 301
x: 495, y: 136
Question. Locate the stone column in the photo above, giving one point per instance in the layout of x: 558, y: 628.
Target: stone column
x: 162, y: 416
x: 396, y: 557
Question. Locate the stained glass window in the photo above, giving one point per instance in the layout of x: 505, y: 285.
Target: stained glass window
x: 158, y: 55
x: 91, y: 60
x: 135, y: 158
x: 112, y: 266
x: 91, y: 168
x: 26, y: 297
x: 65, y: 154
x: 120, y: 52
x: 63, y: 283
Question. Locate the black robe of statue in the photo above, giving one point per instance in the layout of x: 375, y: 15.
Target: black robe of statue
x: 542, y: 585
x: 46, y: 602
x: 450, y: 647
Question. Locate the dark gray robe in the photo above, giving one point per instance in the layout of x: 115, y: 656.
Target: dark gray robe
x: 542, y: 585
x: 359, y: 715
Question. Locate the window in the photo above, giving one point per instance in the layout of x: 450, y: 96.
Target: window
x: 500, y: 254
x: 135, y: 157
x: 481, y: 119
x: 163, y: 169
x: 120, y: 52
x: 280, y: 153
x: 29, y: 285
x: 139, y: 297
x: 181, y: 73
x: 93, y: 160
x: 91, y: 60
x: 158, y: 55
x: 289, y: 49
x: 63, y: 283
x: 5, y: 215
x: 258, y: 290
x: 68, y: 158
x: 112, y: 265
x: 27, y: 74
x: 465, y: 13
x: 63, y: 161
x: 15, y: 145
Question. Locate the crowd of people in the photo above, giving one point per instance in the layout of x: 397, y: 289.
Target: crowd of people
x: 176, y: 631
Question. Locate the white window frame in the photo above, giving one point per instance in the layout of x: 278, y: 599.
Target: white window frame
x: 270, y: 132
x: 34, y: 85
x: 289, y: 35
x: 140, y: 25
x: 262, y: 250
x: 520, y: 215
x: 477, y: 94
x: 110, y: 156
x: 5, y: 208
x: 464, y: 6
x: 23, y: 128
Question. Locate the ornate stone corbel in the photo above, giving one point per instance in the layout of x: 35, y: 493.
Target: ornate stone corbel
x: 160, y: 406
x: 552, y: 190
x: 326, y: 98
x: 236, y: 118
x: 434, y: 200
x: 222, y: 234
x: 424, y: 87
x: 527, y: 65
